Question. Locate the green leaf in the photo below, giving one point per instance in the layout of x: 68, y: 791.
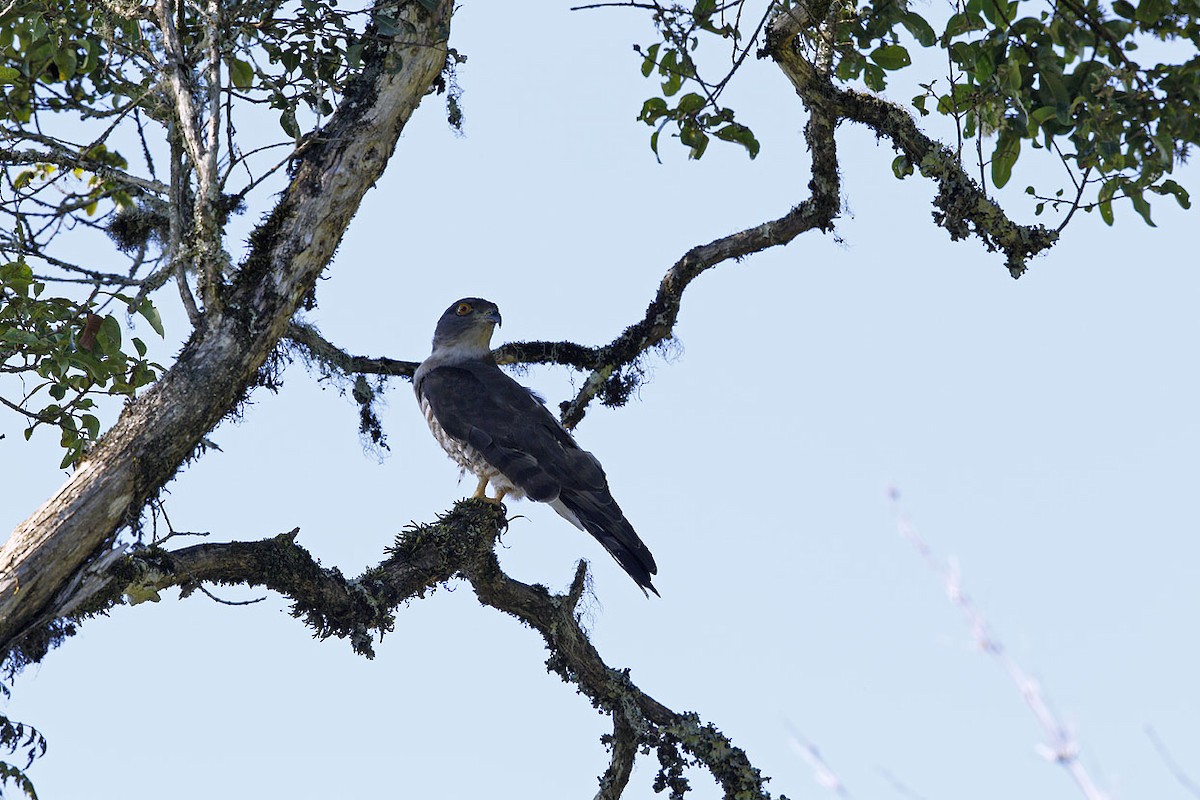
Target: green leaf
x: 985, y: 67
x: 1124, y: 9
x: 694, y: 138
x: 1104, y: 199
x: 66, y: 61
x: 109, y: 336
x: 740, y: 134
x: 997, y: 13
x: 92, y: 425
x: 1140, y: 204
x: 651, y: 60
x: 874, y: 77
x: 891, y: 56
x: 241, y: 73
x: 9, y: 76
x: 1008, y: 148
x: 652, y: 109
x: 902, y: 167
x: 150, y: 314
x: 670, y: 69
x: 962, y: 23
x: 919, y: 28
x: 287, y: 121
x: 1173, y: 188
x: 1151, y: 11
x: 690, y: 103
x: 1040, y: 115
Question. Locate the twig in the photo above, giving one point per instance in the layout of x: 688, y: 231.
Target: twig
x: 1063, y: 747
x: 1184, y: 780
x: 825, y: 777
x: 224, y: 602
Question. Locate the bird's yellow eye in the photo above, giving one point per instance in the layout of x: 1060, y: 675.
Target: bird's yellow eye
x: 463, y: 309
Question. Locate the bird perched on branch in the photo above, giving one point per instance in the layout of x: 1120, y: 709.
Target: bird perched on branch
x: 497, y: 429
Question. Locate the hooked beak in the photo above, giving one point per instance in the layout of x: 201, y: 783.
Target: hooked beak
x: 494, y: 316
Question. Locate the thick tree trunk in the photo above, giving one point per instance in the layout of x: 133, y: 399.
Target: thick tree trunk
x: 42, y: 563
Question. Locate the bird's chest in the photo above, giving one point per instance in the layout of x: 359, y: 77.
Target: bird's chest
x: 461, y: 452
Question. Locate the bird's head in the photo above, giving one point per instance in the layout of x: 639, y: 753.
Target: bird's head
x: 466, y: 327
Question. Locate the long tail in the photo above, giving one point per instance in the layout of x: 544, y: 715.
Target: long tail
x: 598, y: 514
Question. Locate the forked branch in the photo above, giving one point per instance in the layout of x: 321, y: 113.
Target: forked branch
x: 423, y: 558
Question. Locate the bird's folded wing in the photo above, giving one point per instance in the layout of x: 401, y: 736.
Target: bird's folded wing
x: 513, y: 431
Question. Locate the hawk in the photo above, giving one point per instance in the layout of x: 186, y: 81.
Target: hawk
x: 499, y: 430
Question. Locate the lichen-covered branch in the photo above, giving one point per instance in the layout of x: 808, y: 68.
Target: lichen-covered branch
x: 460, y: 543
x: 220, y: 363
x: 608, y: 378
x: 320, y: 350
x: 962, y: 206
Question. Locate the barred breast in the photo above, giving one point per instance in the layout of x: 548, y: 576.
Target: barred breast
x: 467, y: 457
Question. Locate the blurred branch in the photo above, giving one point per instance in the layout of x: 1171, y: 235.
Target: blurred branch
x: 1063, y: 747
x: 1182, y: 777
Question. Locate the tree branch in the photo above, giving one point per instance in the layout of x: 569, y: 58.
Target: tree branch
x: 817, y: 212
x: 71, y: 160
x: 460, y: 543
x: 220, y: 362
x: 962, y: 206
x: 321, y: 350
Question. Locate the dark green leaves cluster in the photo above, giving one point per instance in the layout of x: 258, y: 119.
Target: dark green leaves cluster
x: 1065, y: 79
x: 16, y: 736
x: 67, y: 352
x: 70, y: 54
x: 867, y: 44
x: 1016, y: 76
x: 298, y: 58
x: 697, y: 115
x: 1062, y: 78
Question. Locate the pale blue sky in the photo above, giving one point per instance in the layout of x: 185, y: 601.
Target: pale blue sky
x: 1042, y: 432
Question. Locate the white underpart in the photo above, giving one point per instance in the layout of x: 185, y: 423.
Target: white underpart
x: 469, y: 459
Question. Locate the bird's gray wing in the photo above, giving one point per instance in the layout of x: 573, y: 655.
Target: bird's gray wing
x: 477, y: 403
x: 515, y: 433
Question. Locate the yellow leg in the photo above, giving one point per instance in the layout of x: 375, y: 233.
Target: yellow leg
x: 499, y: 496
x: 481, y: 490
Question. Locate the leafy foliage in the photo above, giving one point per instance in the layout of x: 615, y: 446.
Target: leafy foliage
x: 697, y: 115
x: 106, y: 73
x: 16, y: 736
x: 71, y: 352
x: 1016, y: 76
